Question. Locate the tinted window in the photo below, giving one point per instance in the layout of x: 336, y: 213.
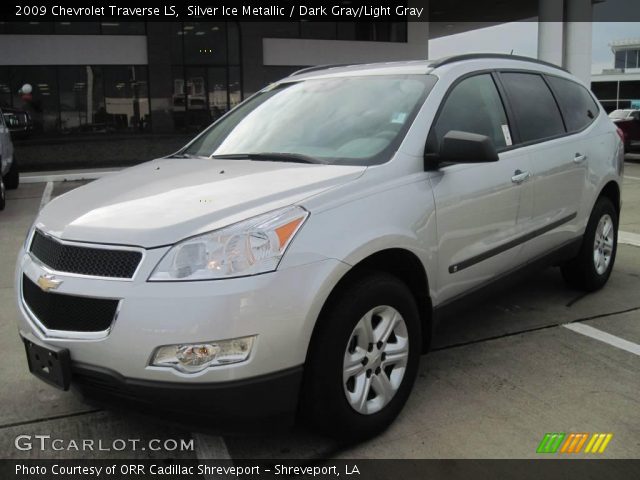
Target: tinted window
x: 474, y: 106
x: 578, y: 107
x: 536, y: 111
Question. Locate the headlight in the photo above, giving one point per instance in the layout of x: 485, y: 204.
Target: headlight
x: 195, y: 357
x: 249, y: 247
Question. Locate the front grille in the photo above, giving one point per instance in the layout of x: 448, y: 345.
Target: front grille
x: 58, y: 311
x: 97, y: 262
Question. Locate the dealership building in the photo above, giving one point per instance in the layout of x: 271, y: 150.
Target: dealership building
x: 619, y: 87
x: 93, y: 80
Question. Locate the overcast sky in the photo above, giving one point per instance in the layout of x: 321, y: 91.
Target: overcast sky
x: 522, y: 37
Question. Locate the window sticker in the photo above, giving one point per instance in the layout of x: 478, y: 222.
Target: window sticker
x: 507, y: 135
x: 398, y: 117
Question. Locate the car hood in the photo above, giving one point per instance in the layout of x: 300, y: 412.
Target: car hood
x: 166, y: 200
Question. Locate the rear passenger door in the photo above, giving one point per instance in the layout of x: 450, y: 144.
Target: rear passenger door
x: 558, y: 160
x: 481, y: 208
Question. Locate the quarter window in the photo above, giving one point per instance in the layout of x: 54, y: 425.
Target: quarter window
x: 533, y: 104
x: 578, y: 107
x: 474, y: 106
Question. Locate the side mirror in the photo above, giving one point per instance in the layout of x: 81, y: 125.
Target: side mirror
x: 465, y: 147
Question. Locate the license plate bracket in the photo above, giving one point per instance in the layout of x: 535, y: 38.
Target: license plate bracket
x: 50, y: 364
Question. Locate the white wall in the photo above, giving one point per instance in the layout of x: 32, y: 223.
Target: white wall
x: 301, y: 52
x: 73, y: 50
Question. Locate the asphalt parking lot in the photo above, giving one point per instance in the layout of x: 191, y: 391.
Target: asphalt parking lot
x: 500, y: 376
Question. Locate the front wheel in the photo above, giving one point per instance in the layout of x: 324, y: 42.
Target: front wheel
x: 363, y: 359
x: 591, y: 268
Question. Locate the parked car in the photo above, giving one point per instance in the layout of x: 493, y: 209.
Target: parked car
x: 295, y: 257
x: 9, y: 175
x: 18, y: 122
x: 628, y: 121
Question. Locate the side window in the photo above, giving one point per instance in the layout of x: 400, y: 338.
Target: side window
x: 536, y: 111
x: 474, y: 106
x: 578, y: 107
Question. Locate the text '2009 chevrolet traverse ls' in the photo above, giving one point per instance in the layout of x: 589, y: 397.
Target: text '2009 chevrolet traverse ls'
x: 294, y: 257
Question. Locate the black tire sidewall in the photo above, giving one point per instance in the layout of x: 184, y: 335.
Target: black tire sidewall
x: 585, y: 270
x: 324, y: 392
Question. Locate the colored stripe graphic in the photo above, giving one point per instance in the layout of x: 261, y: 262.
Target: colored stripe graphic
x: 598, y: 443
x: 574, y: 443
x: 560, y: 442
x: 550, y: 442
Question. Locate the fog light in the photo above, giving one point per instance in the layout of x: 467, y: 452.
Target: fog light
x: 195, y: 357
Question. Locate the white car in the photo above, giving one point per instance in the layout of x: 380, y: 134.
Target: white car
x: 9, y: 176
x: 295, y: 257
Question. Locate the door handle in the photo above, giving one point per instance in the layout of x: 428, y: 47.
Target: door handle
x: 519, y: 176
x: 579, y: 158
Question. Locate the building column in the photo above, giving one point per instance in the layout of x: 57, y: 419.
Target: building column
x: 418, y: 32
x: 578, y: 33
x: 418, y: 37
x: 551, y: 31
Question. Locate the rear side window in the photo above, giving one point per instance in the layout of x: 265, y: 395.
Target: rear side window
x: 474, y: 106
x: 533, y: 104
x: 578, y: 107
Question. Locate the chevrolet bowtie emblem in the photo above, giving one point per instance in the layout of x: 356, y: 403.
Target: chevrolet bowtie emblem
x: 48, y: 282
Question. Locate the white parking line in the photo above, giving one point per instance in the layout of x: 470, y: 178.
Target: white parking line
x: 605, y: 337
x: 46, y: 195
x: 209, y: 447
x: 629, y: 238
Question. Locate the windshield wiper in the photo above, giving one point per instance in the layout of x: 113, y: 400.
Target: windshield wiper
x: 271, y: 157
x: 185, y: 155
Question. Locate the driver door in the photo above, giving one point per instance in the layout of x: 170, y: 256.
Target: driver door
x: 481, y: 208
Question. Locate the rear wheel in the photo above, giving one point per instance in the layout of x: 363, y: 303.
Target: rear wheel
x: 591, y: 268
x: 363, y: 359
x: 12, y: 178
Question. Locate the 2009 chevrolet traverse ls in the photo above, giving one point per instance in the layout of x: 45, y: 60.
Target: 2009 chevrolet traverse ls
x: 295, y: 255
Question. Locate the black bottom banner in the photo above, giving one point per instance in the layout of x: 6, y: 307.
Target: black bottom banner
x: 320, y: 469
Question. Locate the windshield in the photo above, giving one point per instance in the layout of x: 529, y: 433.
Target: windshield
x: 343, y: 120
x: 620, y: 114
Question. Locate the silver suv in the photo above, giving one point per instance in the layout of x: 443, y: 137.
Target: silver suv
x: 296, y: 255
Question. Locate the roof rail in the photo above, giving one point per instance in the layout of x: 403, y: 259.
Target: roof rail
x: 504, y: 56
x: 319, y: 67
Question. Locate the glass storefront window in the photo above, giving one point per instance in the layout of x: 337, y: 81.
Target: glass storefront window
x: 217, y: 90
x: 81, y: 98
x: 235, y: 86
x: 632, y: 59
x: 205, y: 43
x: 77, y: 28
x: 29, y: 28
x: 620, y: 59
x: 126, y: 98
x: 42, y: 102
x: 123, y: 28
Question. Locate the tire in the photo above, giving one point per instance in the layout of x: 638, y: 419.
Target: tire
x: 12, y: 178
x: 591, y: 268
x: 327, y: 389
x: 3, y: 198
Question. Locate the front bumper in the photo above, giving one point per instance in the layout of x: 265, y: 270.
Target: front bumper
x: 280, y: 308
x: 242, y: 405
